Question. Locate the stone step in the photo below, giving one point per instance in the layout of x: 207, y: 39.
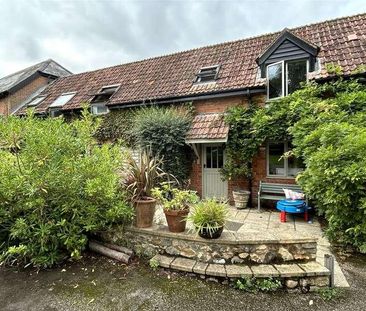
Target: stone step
x: 301, y: 270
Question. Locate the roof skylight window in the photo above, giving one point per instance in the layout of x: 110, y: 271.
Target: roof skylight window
x: 207, y: 74
x: 62, y: 99
x: 105, y: 94
x: 36, y: 101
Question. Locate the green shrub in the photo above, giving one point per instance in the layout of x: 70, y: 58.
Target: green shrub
x: 326, y: 124
x: 116, y: 126
x: 57, y: 187
x: 164, y: 131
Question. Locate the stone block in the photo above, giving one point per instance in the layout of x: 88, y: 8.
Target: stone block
x: 291, y: 284
x: 200, y: 267
x: 164, y: 261
x: 264, y: 271
x: 319, y: 281
x: 183, y: 264
x: 290, y: 270
x: 216, y: 270
x: 237, y: 271
x: 314, y: 268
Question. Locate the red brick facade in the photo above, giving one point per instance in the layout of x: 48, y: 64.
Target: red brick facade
x: 13, y: 100
x: 259, y: 162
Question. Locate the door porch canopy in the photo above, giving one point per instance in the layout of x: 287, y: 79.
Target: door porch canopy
x: 208, y: 128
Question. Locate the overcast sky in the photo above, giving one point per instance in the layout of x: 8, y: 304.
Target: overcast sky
x: 86, y: 35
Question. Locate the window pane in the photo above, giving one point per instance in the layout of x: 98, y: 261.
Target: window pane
x: 220, y: 158
x: 276, y: 165
x: 296, y: 73
x: 208, y: 157
x: 214, y: 157
x: 275, y: 81
x: 295, y: 165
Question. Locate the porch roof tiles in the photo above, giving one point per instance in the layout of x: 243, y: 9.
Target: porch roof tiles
x: 210, y: 127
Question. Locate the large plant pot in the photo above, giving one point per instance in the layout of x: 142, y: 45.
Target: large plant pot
x: 241, y: 198
x: 176, y: 219
x: 206, y: 234
x: 144, y: 212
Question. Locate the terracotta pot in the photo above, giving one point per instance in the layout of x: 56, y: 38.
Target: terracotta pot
x: 176, y: 219
x: 241, y: 198
x: 207, y: 235
x: 144, y: 212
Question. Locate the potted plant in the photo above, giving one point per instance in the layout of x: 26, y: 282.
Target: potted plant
x: 241, y: 198
x: 175, y: 204
x: 142, y: 176
x: 208, y: 218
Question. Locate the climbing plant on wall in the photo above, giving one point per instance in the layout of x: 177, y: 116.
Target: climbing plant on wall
x: 327, y: 126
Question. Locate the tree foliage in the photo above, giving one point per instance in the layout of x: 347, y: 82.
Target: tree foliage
x: 57, y: 187
x: 163, y: 130
x: 327, y: 126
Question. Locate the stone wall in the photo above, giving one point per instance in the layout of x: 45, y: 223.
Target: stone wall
x: 148, y: 243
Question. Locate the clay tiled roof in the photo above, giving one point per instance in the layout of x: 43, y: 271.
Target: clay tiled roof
x: 208, y: 127
x: 341, y: 41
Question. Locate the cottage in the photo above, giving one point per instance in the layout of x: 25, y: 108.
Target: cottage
x: 213, y: 78
x: 20, y: 88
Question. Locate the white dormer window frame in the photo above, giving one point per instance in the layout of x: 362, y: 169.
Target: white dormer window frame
x: 200, y: 74
x: 284, y: 76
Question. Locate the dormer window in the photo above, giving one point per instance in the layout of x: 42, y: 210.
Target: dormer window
x: 98, y: 103
x: 207, y: 74
x: 285, y: 77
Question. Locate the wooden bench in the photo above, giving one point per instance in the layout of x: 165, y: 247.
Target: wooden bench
x: 273, y: 191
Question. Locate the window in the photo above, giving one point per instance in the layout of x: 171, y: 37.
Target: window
x: 36, y: 101
x: 207, y: 74
x: 277, y: 165
x: 104, y: 94
x: 214, y: 157
x: 283, y: 78
x: 99, y: 109
x: 62, y: 99
x: 54, y: 113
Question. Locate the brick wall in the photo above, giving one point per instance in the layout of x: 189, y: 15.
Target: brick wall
x: 14, y: 99
x: 259, y: 162
x: 259, y: 173
x: 218, y: 106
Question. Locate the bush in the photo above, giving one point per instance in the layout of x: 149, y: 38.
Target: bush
x: 57, y: 187
x: 327, y: 126
x: 164, y: 131
x: 116, y: 126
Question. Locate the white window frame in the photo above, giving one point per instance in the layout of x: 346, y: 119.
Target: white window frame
x: 96, y: 106
x: 307, y: 71
x: 198, y: 78
x: 285, y: 76
x: 38, y: 98
x: 63, y: 94
x: 286, y: 175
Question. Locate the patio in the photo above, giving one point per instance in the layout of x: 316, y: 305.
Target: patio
x: 250, y: 238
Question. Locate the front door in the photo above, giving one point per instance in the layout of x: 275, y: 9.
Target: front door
x: 213, y: 161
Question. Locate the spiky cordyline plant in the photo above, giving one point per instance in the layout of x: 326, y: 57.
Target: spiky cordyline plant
x: 143, y: 175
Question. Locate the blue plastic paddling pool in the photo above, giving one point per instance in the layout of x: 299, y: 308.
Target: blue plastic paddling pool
x: 292, y: 207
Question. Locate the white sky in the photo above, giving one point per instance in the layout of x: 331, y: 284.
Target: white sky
x: 86, y: 35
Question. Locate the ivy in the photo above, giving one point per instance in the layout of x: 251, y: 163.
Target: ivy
x: 327, y: 126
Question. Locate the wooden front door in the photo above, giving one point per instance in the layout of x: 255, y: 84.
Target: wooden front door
x: 213, y: 161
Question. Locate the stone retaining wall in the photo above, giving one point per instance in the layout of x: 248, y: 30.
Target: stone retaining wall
x: 148, y: 242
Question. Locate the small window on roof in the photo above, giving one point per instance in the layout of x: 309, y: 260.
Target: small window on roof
x: 62, y: 99
x: 36, y: 101
x: 105, y: 94
x: 207, y: 74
